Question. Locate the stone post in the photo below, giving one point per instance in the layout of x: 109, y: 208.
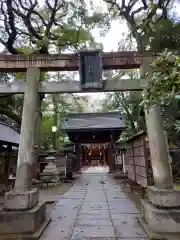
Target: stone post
x: 23, y: 213
x: 158, y: 149
x: 28, y: 132
x: 37, y: 140
x: 157, y: 142
x: 161, y: 211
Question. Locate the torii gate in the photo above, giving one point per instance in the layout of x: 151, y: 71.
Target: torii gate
x: 23, y: 197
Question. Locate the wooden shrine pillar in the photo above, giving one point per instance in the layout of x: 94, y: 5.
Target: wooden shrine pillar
x: 111, y: 160
x: 86, y: 156
x: 78, y: 157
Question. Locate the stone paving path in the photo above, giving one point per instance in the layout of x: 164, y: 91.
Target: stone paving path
x: 94, y: 208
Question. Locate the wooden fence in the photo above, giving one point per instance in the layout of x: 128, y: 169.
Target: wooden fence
x: 138, y: 161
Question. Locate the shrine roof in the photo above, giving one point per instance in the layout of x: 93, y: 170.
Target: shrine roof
x: 8, y: 135
x: 94, y: 121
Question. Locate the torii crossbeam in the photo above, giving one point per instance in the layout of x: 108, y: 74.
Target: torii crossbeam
x: 69, y: 62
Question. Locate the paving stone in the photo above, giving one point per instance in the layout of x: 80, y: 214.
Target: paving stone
x: 95, y: 199
x: 87, y: 211
x: 93, y: 231
x: 73, y: 195
x: 100, y: 198
x: 66, y: 202
x: 94, y: 222
x: 123, y: 209
x: 122, y: 206
x: 114, y: 197
x: 95, y: 205
x: 113, y: 193
x: 127, y: 225
x: 76, y: 189
x: 98, y: 191
x: 129, y: 231
x: 93, y: 217
x: 57, y: 231
x: 91, y: 210
x: 125, y: 216
x: 59, y: 212
x: 122, y: 201
x: 95, y: 238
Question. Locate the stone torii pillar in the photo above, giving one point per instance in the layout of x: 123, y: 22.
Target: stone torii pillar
x: 29, y: 123
x: 22, y: 204
x: 161, y: 210
x: 157, y: 142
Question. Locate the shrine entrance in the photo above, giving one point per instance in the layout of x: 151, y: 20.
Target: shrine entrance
x: 23, y: 198
x: 94, y: 155
x: 94, y: 135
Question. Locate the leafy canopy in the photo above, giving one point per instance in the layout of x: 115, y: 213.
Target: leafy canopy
x: 164, y: 83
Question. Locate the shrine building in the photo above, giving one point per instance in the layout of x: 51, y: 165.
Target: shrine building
x: 94, y: 136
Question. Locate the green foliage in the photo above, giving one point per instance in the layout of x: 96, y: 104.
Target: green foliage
x: 129, y: 104
x: 177, y: 125
x: 46, y: 131
x: 54, y: 109
x: 165, y: 35
x: 10, y: 105
x: 29, y: 27
x: 164, y: 83
x: 71, y: 36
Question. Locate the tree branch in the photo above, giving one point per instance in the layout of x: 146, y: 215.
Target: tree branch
x: 10, y: 114
x: 9, y: 24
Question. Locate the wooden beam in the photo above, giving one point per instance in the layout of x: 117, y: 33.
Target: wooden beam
x: 74, y: 86
x: 69, y: 62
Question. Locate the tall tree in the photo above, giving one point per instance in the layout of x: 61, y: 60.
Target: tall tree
x: 152, y: 27
x: 27, y: 26
x: 32, y: 26
x: 141, y: 16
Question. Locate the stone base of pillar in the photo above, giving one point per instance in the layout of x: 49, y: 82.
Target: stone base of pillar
x: 160, y: 223
x: 23, y: 217
x: 163, y: 198
x: 23, y: 224
x: 155, y: 236
x: 21, y: 200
